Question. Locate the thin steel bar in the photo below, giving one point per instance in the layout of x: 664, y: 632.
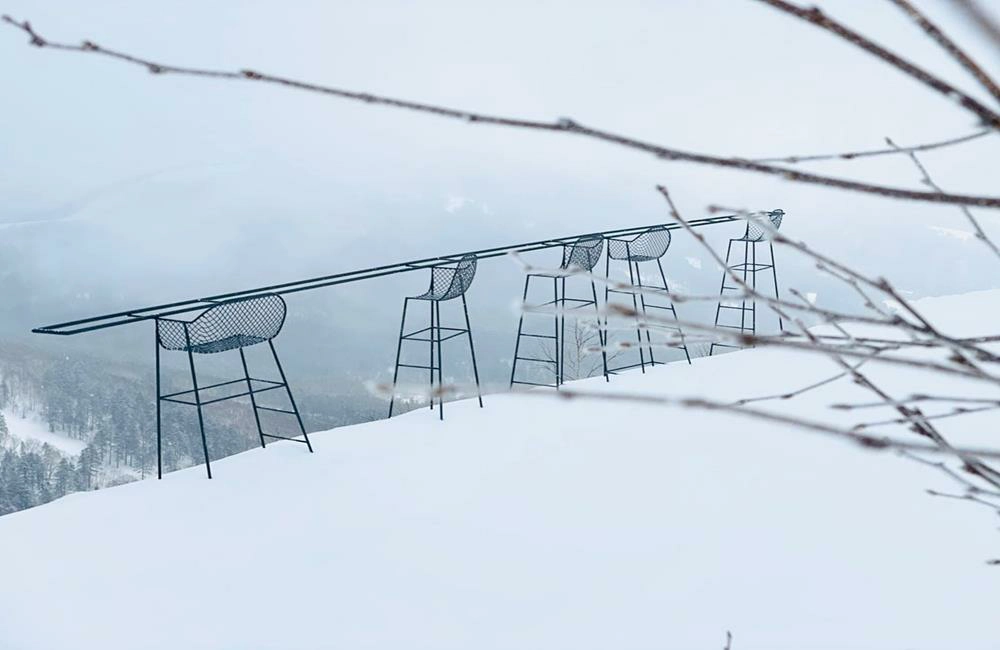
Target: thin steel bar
x: 774, y: 273
x: 431, y: 339
x: 125, y: 317
x: 159, y: 433
x: 602, y: 336
x: 399, y: 350
x: 253, y: 400
x: 437, y: 308
x: 472, y: 350
x: 197, y: 401
x: 520, y: 327
x: 281, y: 371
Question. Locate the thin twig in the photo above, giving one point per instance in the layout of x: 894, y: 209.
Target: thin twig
x: 815, y: 16
x: 563, y: 125
x: 981, y: 18
x: 929, y: 182
x: 854, y: 155
x: 870, y: 442
x: 950, y: 47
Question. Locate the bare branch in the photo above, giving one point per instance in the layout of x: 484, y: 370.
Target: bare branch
x: 798, y: 391
x: 867, y: 441
x: 854, y: 155
x: 980, y: 18
x: 928, y: 181
x: 563, y: 125
x: 815, y: 16
x: 950, y: 47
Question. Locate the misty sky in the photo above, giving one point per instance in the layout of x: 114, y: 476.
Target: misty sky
x: 190, y: 186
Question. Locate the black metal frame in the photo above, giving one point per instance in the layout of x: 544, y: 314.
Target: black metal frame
x: 161, y: 314
x: 749, y: 267
x: 130, y: 316
x: 447, y: 283
x: 648, y: 246
x: 245, y: 322
x: 580, y: 254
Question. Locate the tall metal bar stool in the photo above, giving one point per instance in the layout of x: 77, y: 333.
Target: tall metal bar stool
x: 229, y: 325
x: 648, y: 246
x: 448, y: 281
x: 756, y: 233
x: 583, y: 254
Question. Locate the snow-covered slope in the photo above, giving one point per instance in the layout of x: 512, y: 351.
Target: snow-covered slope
x: 534, y: 523
x: 31, y: 427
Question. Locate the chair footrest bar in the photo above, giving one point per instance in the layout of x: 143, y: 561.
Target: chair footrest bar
x: 171, y: 398
x: 271, y: 435
x: 410, y: 365
x: 274, y: 410
x: 538, y: 336
x: 534, y: 359
x: 428, y: 340
x: 222, y: 383
x: 532, y: 383
x: 612, y: 371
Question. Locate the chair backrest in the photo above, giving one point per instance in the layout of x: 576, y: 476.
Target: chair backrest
x: 452, y: 281
x: 246, y: 321
x: 584, y: 253
x: 756, y: 230
x: 651, y: 244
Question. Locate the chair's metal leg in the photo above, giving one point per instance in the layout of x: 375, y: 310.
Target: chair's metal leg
x: 607, y: 294
x: 601, y: 336
x: 638, y: 322
x: 197, y: 400
x: 253, y: 400
x: 673, y: 309
x: 555, y: 322
x: 520, y: 325
x: 431, y: 364
x: 753, y: 314
x: 562, y: 335
x: 722, y: 290
x: 437, y: 309
x: 642, y: 302
x: 159, y: 433
x: 288, y: 389
x: 774, y: 274
x: 472, y: 349
x: 399, y: 350
x: 743, y: 308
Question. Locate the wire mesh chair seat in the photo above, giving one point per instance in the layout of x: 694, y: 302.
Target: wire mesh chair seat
x: 230, y: 325
x: 448, y: 282
x: 756, y: 231
x: 649, y: 245
x: 759, y: 229
x: 580, y: 256
x: 225, y: 326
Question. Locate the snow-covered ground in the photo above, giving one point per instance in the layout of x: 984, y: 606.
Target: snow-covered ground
x: 33, y: 428
x: 533, y: 523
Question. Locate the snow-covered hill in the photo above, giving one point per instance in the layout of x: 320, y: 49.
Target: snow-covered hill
x: 533, y: 523
x: 32, y: 428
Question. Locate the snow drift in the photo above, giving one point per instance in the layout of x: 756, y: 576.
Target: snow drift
x: 533, y: 523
